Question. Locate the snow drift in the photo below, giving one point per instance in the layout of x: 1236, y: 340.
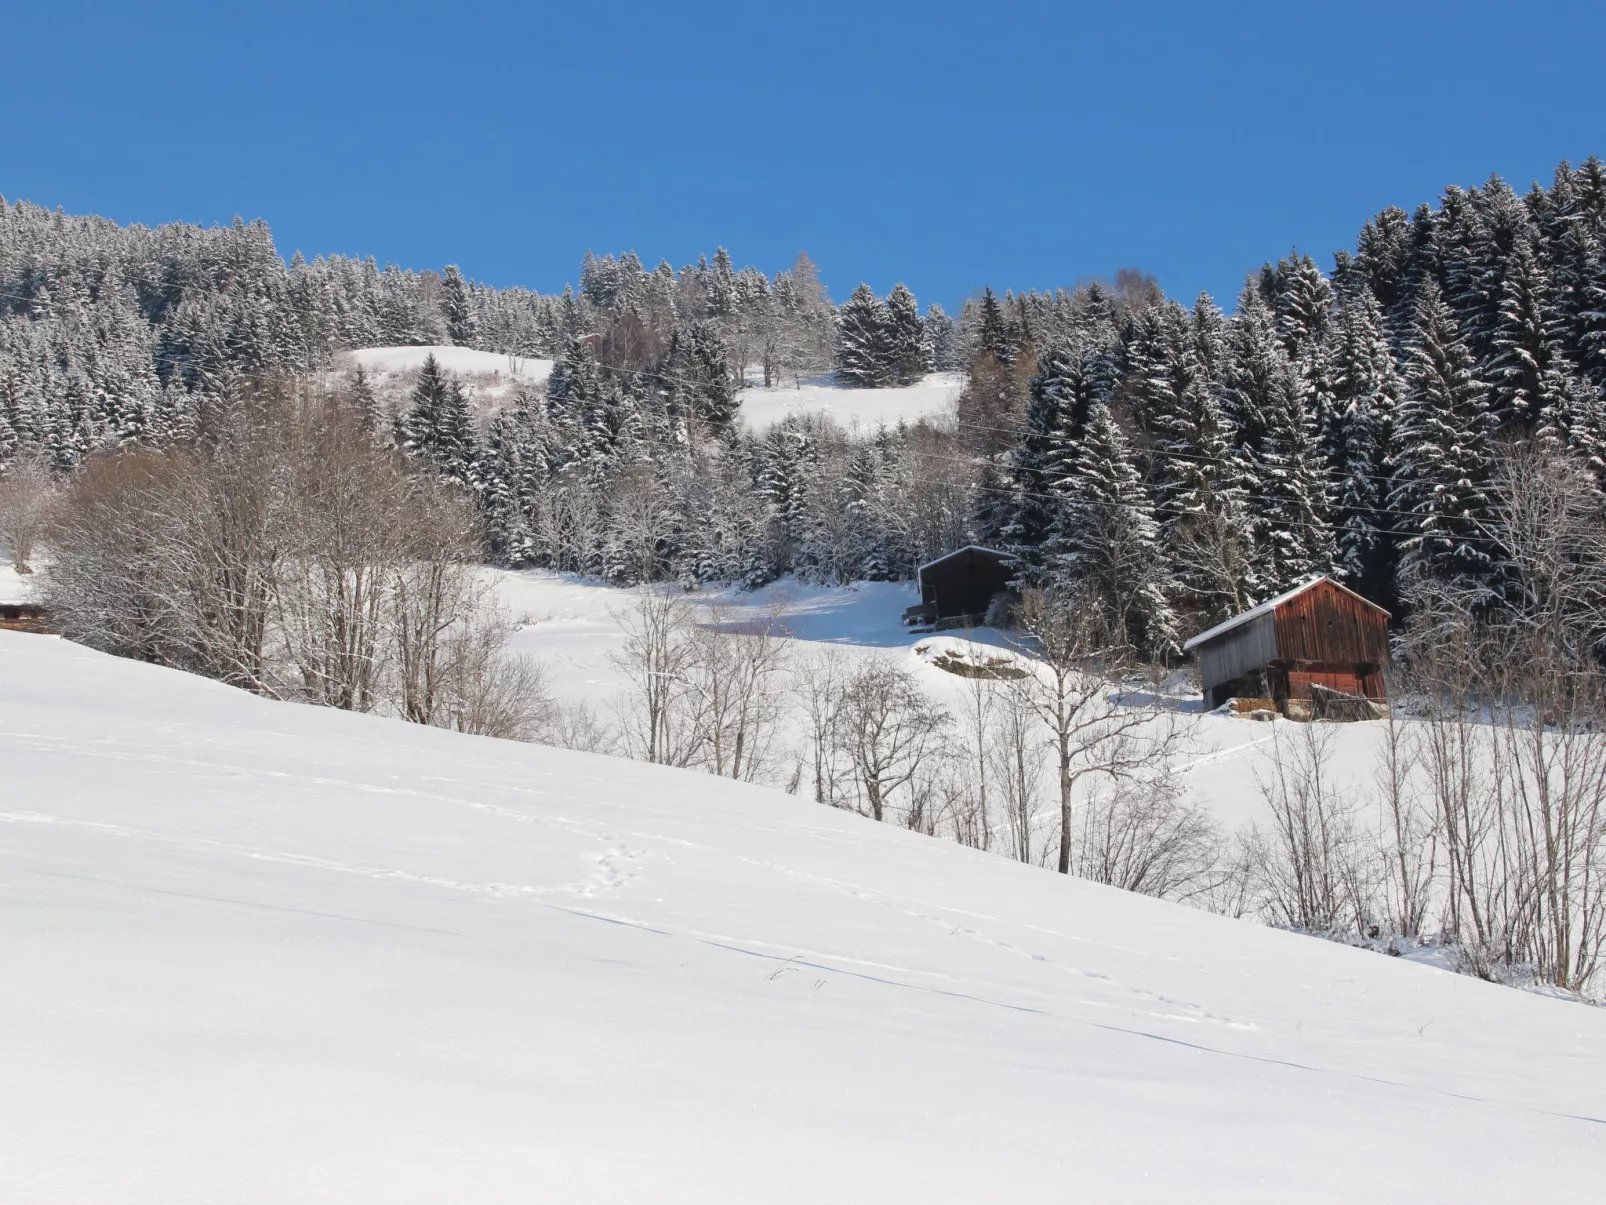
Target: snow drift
x: 261, y: 953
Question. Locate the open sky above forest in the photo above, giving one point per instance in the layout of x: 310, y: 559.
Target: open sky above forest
x: 947, y: 145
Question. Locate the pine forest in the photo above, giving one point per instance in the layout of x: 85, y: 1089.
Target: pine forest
x: 1176, y: 460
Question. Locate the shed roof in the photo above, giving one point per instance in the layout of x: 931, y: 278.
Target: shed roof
x: 1271, y: 604
x: 948, y: 556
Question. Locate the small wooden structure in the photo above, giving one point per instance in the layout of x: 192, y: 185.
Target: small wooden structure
x: 1297, y: 650
x: 958, y: 588
x: 23, y: 617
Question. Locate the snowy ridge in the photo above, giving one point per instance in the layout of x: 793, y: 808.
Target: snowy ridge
x: 265, y: 952
x: 489, y: 377
x: 933, y: 398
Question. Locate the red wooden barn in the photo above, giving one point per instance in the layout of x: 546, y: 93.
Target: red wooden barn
x: 1318, y: 633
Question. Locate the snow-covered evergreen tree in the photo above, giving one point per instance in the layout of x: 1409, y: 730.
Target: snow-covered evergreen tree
x: 457, y: 308
x: 908, y: 350
x: 439, y: 429
x: 1105, y: 541
x: 1441, y: 450
x: 1522, y: 365
x: 863, y: 340
x: 1292, y: 506
x: 1367, y: 390
x: 942, y: 334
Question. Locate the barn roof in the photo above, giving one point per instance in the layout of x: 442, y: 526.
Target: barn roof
x: 1271, y: 604
x: 948, y: 556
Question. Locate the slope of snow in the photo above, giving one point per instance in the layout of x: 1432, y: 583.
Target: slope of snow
x: 932, y: 398
x: 15, y: 587
x: 488, y: 376
x: 572, y: 627
x: 258, y: 952
x: 491, y: 378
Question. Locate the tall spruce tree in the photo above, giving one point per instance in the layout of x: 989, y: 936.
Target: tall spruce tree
x: 1105, y: 541
x: 457, y: 308
x: 1292, y: 513
x: 1367, y: 391
x: 1522, y: 367
x: 439, y: 427
x: 908, y: 349
x: 1060, y: 400
x: 863, y: 345
x: 1441, y: 451
x: 942, y: 335
x: 702, y: 381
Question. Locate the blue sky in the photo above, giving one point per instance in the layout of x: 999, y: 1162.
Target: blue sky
x: 946, y: 145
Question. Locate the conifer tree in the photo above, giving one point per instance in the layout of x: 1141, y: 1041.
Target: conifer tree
x: 1367, y: 391
x: 1441, y: 450
x: 993, y: 333
x: 1303, y: 305
x: 439, y: 429
x: 1522, y: 366
x: 942, y: 335
x: 1060, y: 399
x: 908, y: 351
x: 702, y: 377
x: 1105, y: 540
x: 1255, y: 360
x: 1292, y: 508
x: 457, y: 308
x: 368, y: 405
x: 1203, y: 507
x: 863, y: 345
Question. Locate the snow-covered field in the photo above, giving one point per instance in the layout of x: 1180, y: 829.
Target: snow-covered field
x: 866, y: 409
x: 572, y: 628
x: 488, y: 377
x: 258, y: 952
x: 14, y: 587
x: 491, y: 378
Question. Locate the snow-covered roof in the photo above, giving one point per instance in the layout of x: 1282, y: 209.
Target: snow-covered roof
x: 948, y: 556
x: 1271, y: 604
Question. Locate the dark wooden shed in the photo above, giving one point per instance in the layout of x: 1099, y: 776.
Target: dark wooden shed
x: 1318, y: 634
x: 957, y: 588
x: 24, y: 617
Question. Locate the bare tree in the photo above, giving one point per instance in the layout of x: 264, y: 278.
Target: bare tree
x: 886, y: 727
x: 1092, y: 733
x: 1312, y: 867
x: 1016, y: 754
x: 654, y: 657
x: 27, y: 493
x: 734, y: 691
x: 822, y: 676
x: 287, y: 554
x: 1409, y: 828
x: 1142, y: 836
x: 170, y: 556
x: 353, y: 505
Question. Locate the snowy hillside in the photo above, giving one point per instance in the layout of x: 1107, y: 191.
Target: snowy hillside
x: 14, y: 586
x: 489, y: 377
x: 258, y: 952
x: 573, y: 628
x: 932, y: 398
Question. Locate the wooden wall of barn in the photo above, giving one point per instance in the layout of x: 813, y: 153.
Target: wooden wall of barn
x: 1326, y: 625
x: 1237, y: 651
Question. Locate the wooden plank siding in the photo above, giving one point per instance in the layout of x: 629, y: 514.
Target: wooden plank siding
x: 1329, y: 625
x: 1321, y: 634
x: 1235, y: 653
x: 963, y: 584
